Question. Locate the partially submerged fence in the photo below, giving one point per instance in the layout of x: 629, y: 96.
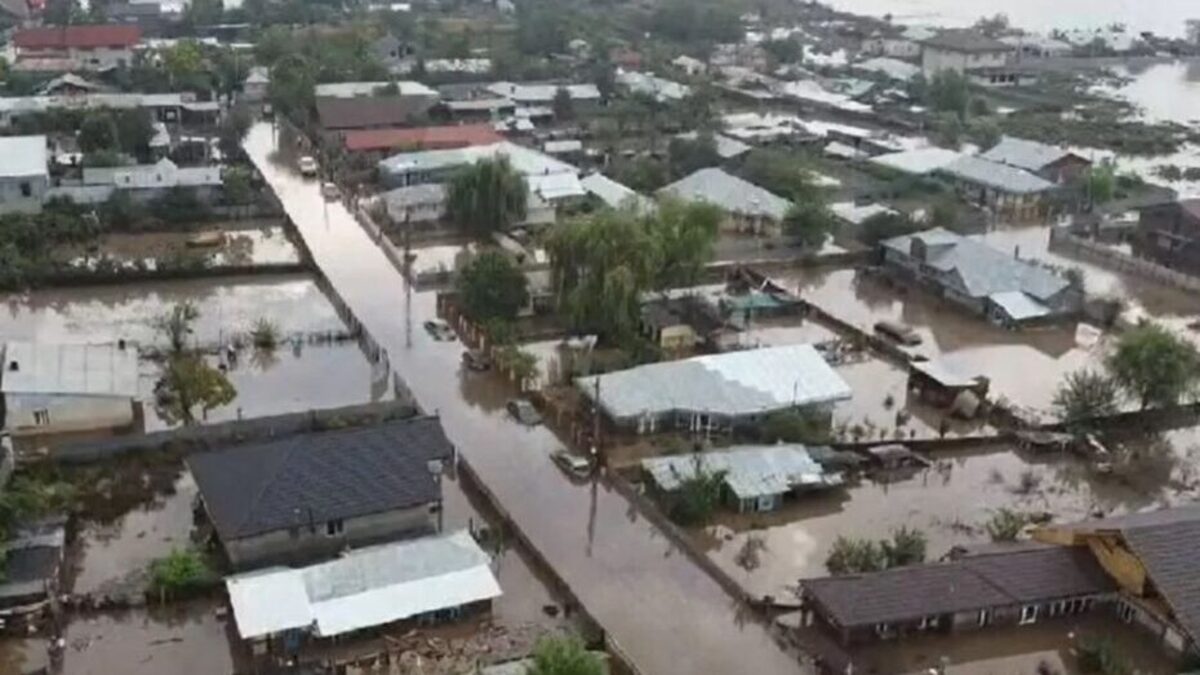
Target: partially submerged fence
x: 1106, y: 256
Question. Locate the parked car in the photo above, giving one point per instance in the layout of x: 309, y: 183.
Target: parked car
x: 268, y: 112
x: 330, y: 191
x: 439, y: 330
x: 307, y: 166
x: 898, y: 332
x: 574, y: 465
x: 474, y: 359
x: 524, y: 412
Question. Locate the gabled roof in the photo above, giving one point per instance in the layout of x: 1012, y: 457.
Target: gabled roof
x: 750, y: 471
x: 984, y: 271
x: 965, y: 40
x: 918, y: 162
x: 1025, y: 154
x: 45, y: 368
x: 541, y: 92
x: 1001, y: 177
x: 615, y: 195
x: 1023, y: 574
x: 421, y: 138
x: 79, y: 37
x: 365, y: 113
x: 368, y: 89
x: 368, y: 587
x: 729, y: 193
x: 313, y: 478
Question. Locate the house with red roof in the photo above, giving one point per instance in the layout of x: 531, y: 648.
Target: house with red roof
x: 95, y: 47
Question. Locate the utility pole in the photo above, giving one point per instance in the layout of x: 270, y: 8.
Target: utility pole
x: 408, y: 278
x: 596, y: 421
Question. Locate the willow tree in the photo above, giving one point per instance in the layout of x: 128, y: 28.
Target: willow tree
x: 488, y: 196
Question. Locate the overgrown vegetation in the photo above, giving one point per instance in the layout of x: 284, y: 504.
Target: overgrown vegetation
x: 265, y: 334
x: 188, y: 382
x: 1086, y: 394
x: 29, y: 497
x: 1006, y: 525
x: 488, y: 196
x: 182, y: 573
x: 795, y: 426
x: 492, y: 287
x: 855, y: 556
x: 1153, y: 366
x: 565, y: 655
x: 1099, y: 656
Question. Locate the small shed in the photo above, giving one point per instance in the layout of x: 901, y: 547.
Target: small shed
x: 53, y: 388
x: 896, y: 456
x: 938, y: 384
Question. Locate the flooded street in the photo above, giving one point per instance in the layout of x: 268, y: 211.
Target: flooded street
x: 649, y: 597
x: 186, y: 639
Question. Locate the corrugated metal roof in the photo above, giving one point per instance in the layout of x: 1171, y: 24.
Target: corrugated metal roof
x: 998, y: 176
x: 729, y: 193
x: 368, y: 587
x: 750, y: 471
x: 738, y: 383
x: 542, y: 93
x: 353, y: 89
x: 919, y: 162
x: 525, y: 160
x: 1025, y: 154
x: 23, y: 156
x: 1018, y: 306
x: 69, y: 369
x: 661, y: 89
x: 727, y: 148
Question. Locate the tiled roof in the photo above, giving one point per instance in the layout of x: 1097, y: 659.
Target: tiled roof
x: 1023, y: 575
x: 304, y: 478
x: 61, y: 37
x: 421, y: 138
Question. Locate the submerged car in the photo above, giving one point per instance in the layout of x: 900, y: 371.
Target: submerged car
x: 330, y: 191
x: 307, y: 166
x: 439, y: 330
x: 574, y: 465
x: 524, y: 412
x: 476, y: 360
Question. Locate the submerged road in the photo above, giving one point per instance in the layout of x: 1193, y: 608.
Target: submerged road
x: 666, y: 613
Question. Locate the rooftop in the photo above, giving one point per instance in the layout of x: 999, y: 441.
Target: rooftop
x: 858, y: 213
x: 26, y: 104
x: 728, y: 192
x: 79, y: 37
x: 998, y: 176
x: 338, y: 113
x: 442, y: 137
x: 162, y: 174
x: 542, y: 92
x: 1003, y: 577
x: 1024, y: 154
x: 369, y: 587
x: 736, y: 383
x: 614, y: 194
x: 727, y: 148
x: 304, y: 478
x: 965, y: 40
x: 69, y: 369
x: 23, y: 156
x: 525, y: 160
x: 368, y: 89
x: 750, y: 471
x: 660, y: 89
x: 984, y: 271
x: 918, y: 162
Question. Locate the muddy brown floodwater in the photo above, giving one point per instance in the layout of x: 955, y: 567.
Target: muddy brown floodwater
x: 659, y: 607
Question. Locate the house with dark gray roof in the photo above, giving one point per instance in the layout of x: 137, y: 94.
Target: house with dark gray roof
x: 1003, y: 188
x: 1018, y: 584
x: 1152, y: 556
x: 1005, y: 289
x: 1049, y: 162
x: 307, y: 496
x: 962, y: 51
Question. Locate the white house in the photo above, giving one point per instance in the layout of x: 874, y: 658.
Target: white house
x: 24, y: 178
x: 52, y: 388
x: 905, y: 44
x: 147, y: 181
x: 254, y: 88
x: 963, y: 51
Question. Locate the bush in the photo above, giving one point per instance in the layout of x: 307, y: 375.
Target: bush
x: 795, y: 426
x: 697, y: 498
x: 1099, y: 656
x: 265, y: 334
x: 855, y: 556
x: 1006, y: 525
x: 564, y: 656
x: 181, y: 574
x: 1084, y: 395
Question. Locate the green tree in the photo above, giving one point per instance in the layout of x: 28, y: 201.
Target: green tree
x: 689, y: 155
x: 948, y: 91
x: 181, y: 573
x: 135, y: 130
x: 884, y: 226
x: 787, y: 50
x: 1006, y: 525
x: 188, y: 383
x: 795, y: 426
x: 782, y: 172
x: 1153, y: 366
x: 565, y: 655
x: 809, y: 223
x: 564, y: 107
x: 1086, y: 394
x: 492, y: 287
x: 683, y: 235
x: 97, y: 132
x: 204, y: 12
x: 698, y: 496
x: 643, y: 174
x: 906, y: 547
x: 541, y: 27
x: 1101, y: 183
x: 993, y: 26
x: 233, y: 129
x: 945, y: 212
x: 855, y: 556
x: 237, y: 184
x: 176, y: 326
x: 489, y: 196
x: 183, y: 61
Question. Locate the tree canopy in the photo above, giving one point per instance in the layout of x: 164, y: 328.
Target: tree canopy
x: 1153, y: 366
x: 492, y: 287
x: 488, y: 196
x: 1086, y: 394
x: 564, y: 656
x: 809, y: 223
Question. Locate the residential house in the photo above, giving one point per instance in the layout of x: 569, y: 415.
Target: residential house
x: 901, y: 43
x: 24, y: 177
x: 339, y: 114
x: 962, y: 51
x: 371, y: 89
x: 919, y: 162
x: 748, y: 207
x: 428, y: 580
x: 1010, y: 585
x: 648, y: 84
x: 395, y: 54
x: 147, y: 182
x: 308, y: 496
x: 99, y: 47
x: 615, y: 195
x: 680, y: 322
x: 1002, y: 188
x: 14, y: 12
x: 419, y: 138
x: 420, y: 205
x: 172, y: 107
x: 53, y: 388
x: 1169, y: 234
x: 1005, y: 289
x: 145, y: 14
x: 1055, y: 164
x: 256, y: 84
x: 754, y: 479
x: 1034, y: 46
x: 69, y: 84
x: 475, y: 66
x: 552, y: 182
x: 690, y: 66
x: 717, y: 392
x: 1151, y: 556
x: 889, y: 67
x: 539, y: 94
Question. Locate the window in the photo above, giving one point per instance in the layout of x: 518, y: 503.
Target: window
x: 1029, y: 614
x: 985, y: 617
x: 41, y: 417
x: 26, y: 189
x: 928, y: 623
x: 334, y: 527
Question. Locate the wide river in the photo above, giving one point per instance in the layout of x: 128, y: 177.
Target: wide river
x: 1164, y: 17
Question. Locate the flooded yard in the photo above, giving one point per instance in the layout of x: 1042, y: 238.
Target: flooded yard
x: 950, y: 502
x: 223, y: 244
x: 188, y: 639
